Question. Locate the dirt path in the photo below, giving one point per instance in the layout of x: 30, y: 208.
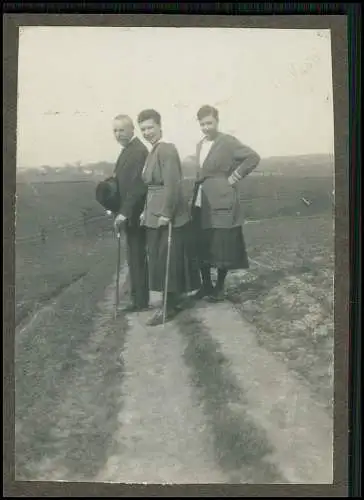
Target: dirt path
x: 187, y: 418
x: 66, y: 371
x: 162, y: 435
x: 124, y: 411
x: 196, y: 401
x: 297, y: 428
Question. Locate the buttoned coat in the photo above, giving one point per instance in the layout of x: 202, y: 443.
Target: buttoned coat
x: 163, y: 176
x: 131, y: 188
x: 220, y: 203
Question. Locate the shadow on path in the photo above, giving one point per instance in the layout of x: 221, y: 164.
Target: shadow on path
x: 241, y: 447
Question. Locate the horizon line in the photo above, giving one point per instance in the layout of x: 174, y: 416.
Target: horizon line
x: 79, y: 164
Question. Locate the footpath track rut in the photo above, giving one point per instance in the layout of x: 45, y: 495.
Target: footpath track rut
x: 280, y: 423
x: 162, y: 435
x: 196, y: 401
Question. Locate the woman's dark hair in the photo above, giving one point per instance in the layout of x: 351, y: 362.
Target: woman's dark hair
x: 150, y: 114
x: 207, y: 111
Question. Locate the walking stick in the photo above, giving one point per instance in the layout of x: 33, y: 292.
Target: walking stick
x: 169, y: 242
x: 117, y: 274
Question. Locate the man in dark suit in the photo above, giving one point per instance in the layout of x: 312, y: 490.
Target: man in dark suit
x: 132, y: 193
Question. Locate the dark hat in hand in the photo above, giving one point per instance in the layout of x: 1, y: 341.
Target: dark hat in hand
x: 107, y: 194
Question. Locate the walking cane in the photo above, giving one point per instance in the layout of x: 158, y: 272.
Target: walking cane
x: 169, y: 242
x: 117, y: 273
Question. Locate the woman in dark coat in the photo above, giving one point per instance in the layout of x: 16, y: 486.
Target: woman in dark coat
x: 222, y: 162
x: 165, y: 203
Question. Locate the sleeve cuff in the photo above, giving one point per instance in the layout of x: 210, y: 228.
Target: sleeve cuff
x: 236, y: 177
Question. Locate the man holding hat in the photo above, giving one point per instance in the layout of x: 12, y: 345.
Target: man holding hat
x: 124, y: 195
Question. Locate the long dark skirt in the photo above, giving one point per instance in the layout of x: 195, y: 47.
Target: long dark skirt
x: 184, y: 273
x: 219, y: 247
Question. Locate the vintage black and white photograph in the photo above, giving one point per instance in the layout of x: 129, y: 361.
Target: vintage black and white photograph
x: 174, y: 255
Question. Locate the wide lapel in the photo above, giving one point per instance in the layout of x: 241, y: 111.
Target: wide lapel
x: 216, y: 143
x: 124, y: 155
x: 149, y: 159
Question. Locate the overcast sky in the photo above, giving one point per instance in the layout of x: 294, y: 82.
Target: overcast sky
x: 273, y: 88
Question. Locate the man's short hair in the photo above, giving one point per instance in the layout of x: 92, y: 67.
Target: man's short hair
x: 124, y: 117
x: 150, y: 114
x: 207, y: 110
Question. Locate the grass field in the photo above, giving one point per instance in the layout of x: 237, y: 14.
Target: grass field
x: 75, y: 228
x: 277, y: 196
x: 297, y: 248
x: 290, y: 297
x: 74, y: 224
x: 72, y: 360
x: 57, y: 204
x: 53, y: 206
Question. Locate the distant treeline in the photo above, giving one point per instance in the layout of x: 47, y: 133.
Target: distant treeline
x: 296, y: 166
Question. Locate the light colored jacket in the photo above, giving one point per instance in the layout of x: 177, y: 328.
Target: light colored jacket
x: 162, y: 174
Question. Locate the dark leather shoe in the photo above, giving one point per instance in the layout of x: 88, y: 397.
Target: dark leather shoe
x: 217, y: 296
